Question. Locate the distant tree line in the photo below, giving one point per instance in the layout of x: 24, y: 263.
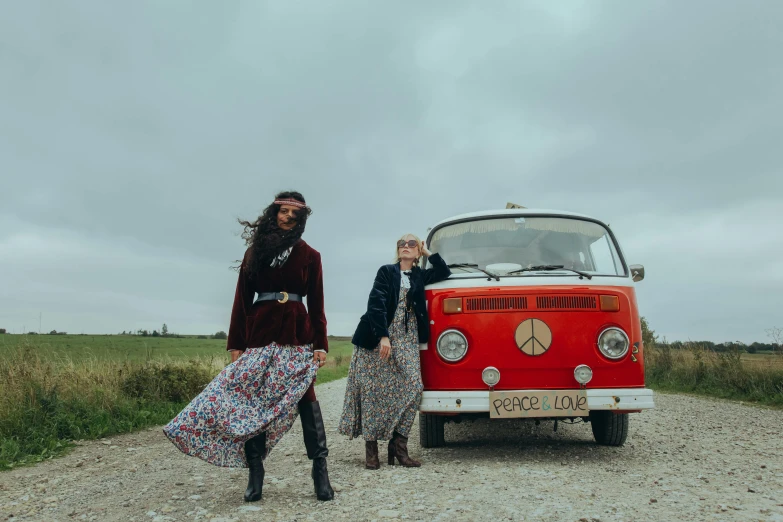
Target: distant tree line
x: 53, y: 332
x: 726, y: 346
x: 650, y: 338
x: 164, y: 332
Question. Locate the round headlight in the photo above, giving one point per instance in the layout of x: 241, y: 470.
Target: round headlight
x: 613, y: 343
x: 583, y: 374
x: 490, y: 376
x: 452, y: 345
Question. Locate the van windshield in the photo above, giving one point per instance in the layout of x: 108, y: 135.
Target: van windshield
x: 529, y: 241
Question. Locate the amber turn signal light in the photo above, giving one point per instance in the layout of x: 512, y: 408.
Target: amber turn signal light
x: 452, y: 305
x: 610, y: 303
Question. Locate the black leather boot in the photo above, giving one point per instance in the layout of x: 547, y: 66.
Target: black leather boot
x: 315, y: 442
x: 255, y: 451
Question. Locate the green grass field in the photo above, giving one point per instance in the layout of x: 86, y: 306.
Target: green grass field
x: 116, y: 347
x: 55, y: 389
x: 131, y: 347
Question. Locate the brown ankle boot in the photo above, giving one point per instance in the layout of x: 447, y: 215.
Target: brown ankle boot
x: 398, y: 447
x: 371, y: 455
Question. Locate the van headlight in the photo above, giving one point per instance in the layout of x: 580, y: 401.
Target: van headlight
x: 613, y: 343
x: 452, y: 345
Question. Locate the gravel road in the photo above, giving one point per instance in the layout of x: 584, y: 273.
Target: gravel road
x: 689, y: 459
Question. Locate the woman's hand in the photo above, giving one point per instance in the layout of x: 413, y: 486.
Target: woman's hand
x: 424, y: 249
x: 235, y: 354
x: 319, y: 358
x: 385, y: 348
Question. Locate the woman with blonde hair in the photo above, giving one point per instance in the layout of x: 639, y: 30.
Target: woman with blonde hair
x: 384, y: 385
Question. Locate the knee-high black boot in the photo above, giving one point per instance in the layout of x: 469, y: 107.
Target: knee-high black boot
x: 255, y: 450
x: 315, y: 442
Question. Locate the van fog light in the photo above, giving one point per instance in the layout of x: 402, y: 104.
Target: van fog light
x: 490, y: 376
x: 583, y: 374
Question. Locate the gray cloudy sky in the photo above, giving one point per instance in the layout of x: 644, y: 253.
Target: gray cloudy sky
x: 133, y: 134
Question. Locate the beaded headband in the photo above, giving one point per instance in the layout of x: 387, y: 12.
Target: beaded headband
x: 292, y: 202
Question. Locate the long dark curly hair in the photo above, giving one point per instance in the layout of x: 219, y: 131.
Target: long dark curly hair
x: 266, y: 240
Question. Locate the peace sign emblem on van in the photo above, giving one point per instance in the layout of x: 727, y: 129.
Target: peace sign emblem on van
x: 533, y: 336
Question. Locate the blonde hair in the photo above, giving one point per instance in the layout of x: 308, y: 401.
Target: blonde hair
x: 397, y: 250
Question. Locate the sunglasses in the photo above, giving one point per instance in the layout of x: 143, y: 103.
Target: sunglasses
x: 410, y: 243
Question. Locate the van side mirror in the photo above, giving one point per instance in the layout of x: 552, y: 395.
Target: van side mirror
x: 637, y: 272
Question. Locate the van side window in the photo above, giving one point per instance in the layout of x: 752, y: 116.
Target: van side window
x: 603, y: 256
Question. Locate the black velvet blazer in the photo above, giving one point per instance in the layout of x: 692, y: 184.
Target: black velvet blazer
x: 385, y: 293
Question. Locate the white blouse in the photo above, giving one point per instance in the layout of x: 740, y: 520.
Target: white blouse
x: 405, y: 280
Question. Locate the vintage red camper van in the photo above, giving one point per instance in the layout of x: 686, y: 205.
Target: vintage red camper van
x: 538, y: 320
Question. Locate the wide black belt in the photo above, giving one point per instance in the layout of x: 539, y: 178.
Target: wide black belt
x: 281, y: 297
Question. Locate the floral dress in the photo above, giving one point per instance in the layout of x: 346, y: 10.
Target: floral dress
x: 258, y: 392
x: 382, y: 395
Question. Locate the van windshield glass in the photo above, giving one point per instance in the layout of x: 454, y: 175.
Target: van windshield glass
x: 530, y: 241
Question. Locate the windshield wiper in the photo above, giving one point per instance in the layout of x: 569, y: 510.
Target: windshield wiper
x: 475, y: 267
x: 544, y: 268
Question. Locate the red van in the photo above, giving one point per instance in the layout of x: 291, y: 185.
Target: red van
x: 538, y: 320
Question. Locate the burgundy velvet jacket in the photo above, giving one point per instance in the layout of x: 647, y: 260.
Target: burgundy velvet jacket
x: 257, y: 325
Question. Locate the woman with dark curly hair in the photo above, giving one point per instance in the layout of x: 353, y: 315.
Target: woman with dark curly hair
x: 276, y: 345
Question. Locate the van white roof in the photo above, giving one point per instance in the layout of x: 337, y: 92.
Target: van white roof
x: 514, y: 212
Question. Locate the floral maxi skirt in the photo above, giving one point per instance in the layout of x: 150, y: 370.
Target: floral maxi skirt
x: 383, y: 395
x: 256, y: 393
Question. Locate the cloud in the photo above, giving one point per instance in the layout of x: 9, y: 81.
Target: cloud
x: 133, y: 135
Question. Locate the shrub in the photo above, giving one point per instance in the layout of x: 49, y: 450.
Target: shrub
x: 157, y: 382
x: 2, y: 330
x: 220, y: 335
x: 649, y: 338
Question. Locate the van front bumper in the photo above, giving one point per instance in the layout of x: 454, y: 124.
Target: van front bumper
x: 623, y: 399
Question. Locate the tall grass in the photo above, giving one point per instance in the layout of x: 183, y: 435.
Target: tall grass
x: 729, y: 375
x: 51, y: 395
x: 48, y: 402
